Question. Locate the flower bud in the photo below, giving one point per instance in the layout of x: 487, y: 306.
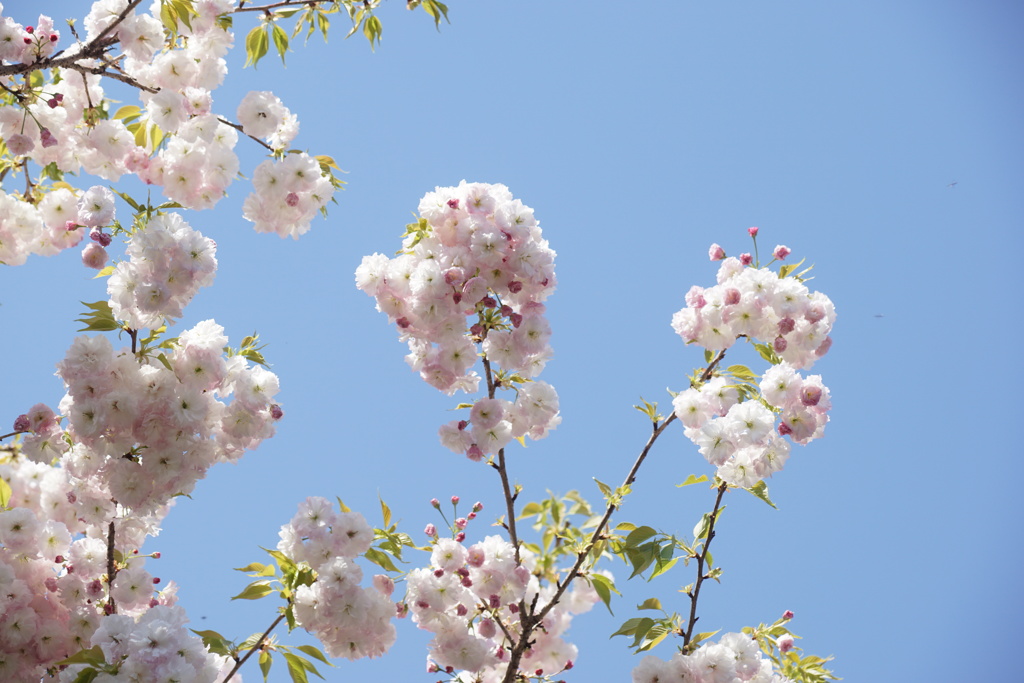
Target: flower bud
x: 716, y: 253
x: 21, y: 423
x: 781, y: 252
x: 455, y: 500
x: 752, y: 232
x: 785, y: 643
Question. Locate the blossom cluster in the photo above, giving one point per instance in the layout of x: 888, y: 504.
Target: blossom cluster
x: 288, y: 195
x: 476, y: 252
x: 173, y: 140
x: 470, y: 599
x: 735, y: 658
x: 758, y: 304
x: 144, y: 431
x: 155, y: 647
x: 167, y: 263
x: 55, y: 587
x: 350, y: 620
x: 740, y: 437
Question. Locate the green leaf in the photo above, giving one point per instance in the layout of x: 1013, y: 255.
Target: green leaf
x: 255, y: 591
x: 768, y: 353
x: 386, y: 511
x: 638, y: 536
x: 256, y: 45
x: 650, y: 603
x: 380, y: 559
x: 280, y: 41
x: 266, y: 661
x: 313, y: 652
x: 93, y: 657
x: 100, y: 320
x: 437, y: 10
x: 214, y: 642
x: 742, y: 372
x: 604, y: 587
x: 760, y: 489
x: 702, y: 636
x: 605, y: 488
x: 693, y: 479
x: 5, y: 493
x: 628, y: 628
x: 655, y: 635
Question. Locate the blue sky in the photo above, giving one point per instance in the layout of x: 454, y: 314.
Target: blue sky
x: 640, y: 134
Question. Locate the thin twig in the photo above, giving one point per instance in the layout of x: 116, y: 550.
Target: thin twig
x: 256, y: 646
x: 238, y: 127
x: 700, y: 566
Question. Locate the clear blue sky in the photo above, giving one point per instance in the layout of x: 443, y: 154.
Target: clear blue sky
x: 641, y: 133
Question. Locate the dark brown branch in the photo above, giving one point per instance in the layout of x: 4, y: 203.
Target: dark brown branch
x: 111, y: 569
x: 238, y: 127
x: 256, y: 646
x: 700, y: 566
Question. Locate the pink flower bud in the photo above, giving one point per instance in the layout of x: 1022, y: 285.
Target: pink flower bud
x: 513, y: 608
x: 460, y: 537
x: 785, y: 643
x: 156, y: 580
x: 100, y: 237
x: 569, y: 664
x: 515, y: 286
x: 475, y: 557
x: 752, y: 232
x: 486, y: 628
x: 463, y: 424
x: 478, y: 506
x: 22, y: 423
x: 384, y: 584
x: 430, y: 530
x: 438, y: 573
x: 784, y: 429
x: 787, y: 615
x: 453, y: 203
x: 823, y: 347
x: 403, y: 322
x: 156, y: 555
x: 494, y: 602
x: 461, y: 523
x: 30, y: 30
x: 490, y: 302
x: 716, y: 253
x: 455, y: 500
x: 786, y: 325
x: 746, y: 259
x: 780, y: 344
x: 732, y: 296
x: 46, y: 137
x: 71, y: 225
x: 474, y: 453
x: 291, y: 199
x: 781, y: 252
x: 471, y: 515
x: 276, y: 413
x: 517, y: 320
x: 461, y: 610
x: 810, y: 395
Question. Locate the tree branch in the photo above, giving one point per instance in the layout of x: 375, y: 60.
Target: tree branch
x: 255, y: 647
x: 700, y: 566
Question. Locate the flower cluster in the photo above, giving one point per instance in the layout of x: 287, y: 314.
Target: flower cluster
x: 155, y: 647
x: 168, y: 263
x: 350, y: 620
x: 145, y: 432
x: 476, y: 252
x: 263, y: 115
x: 470, y: 599
x: 758, y: 304
x: 734, y: 658
x: 738, y: 436
x: 288, y: 195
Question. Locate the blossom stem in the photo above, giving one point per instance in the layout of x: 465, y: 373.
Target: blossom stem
x: 111, y: 569
x: 700, y: 566
x: 256, y: 646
